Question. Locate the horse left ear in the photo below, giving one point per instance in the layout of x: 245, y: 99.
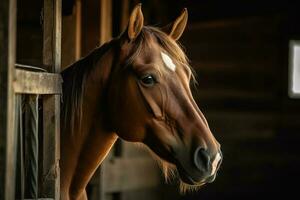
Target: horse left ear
x: 136, y: 22
x: 176, y: 28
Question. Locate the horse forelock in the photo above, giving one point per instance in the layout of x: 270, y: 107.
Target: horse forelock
x: 168, y: 45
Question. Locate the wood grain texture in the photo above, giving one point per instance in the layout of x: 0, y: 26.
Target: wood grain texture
x: 37, y: 82
x: 123, y: 174
x: 7, y: 99
x: 51, y: 103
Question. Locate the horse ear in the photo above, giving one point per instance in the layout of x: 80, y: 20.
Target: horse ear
x: 176, y: 28
x: 136, y: 22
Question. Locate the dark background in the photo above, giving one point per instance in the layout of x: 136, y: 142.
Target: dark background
x: 240, y: 51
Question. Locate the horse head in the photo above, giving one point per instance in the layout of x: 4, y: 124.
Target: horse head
x: 150, y: 100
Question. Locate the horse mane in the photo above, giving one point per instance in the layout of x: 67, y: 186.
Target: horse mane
x: 75, y: 75
x: 74, y: 78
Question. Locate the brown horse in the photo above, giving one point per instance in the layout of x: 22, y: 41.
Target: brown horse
x: 136, y: 87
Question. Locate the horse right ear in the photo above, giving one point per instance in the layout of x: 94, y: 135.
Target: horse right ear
x: 136, y: 22
x: 176, y: 28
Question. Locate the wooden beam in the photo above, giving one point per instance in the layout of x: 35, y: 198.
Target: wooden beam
x: 7, y: 99
x: 123, y: 174
x: 37, y: 82
x: 51, y: 103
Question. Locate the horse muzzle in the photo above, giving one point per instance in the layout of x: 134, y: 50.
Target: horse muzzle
x: 202, y: 169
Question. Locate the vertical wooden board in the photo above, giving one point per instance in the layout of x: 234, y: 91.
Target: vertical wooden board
x: 52, y: 35
x: 125, y: 14
x: 90, y: 25
x: 105, y: 21
x: 71, y: 36
x: 51, y: 150
x: 78, y: 33
x: 48, y: 35
x: 51, y: 104
x: 7, y: 133
x: 68, y: 50
x: 30, y: 34
x: 57, y: 37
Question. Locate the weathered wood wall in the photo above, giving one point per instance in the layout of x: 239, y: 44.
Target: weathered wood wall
x: 39, y: 44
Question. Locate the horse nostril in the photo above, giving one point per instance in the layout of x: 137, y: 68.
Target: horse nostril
x: 201, y: 159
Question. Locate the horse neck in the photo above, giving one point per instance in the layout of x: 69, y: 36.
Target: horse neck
x: 83, y: 149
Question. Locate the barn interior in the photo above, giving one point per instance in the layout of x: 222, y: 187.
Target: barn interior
x: 240, y: 53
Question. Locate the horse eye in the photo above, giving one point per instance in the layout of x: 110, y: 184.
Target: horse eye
x: 148, y: 80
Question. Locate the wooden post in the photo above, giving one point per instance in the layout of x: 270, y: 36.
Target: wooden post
x: 105, y: 21
x: 78, y: 30
x: 7, y: 133
x: 51, y: 103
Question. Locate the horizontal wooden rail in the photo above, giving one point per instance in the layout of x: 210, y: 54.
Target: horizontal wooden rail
x: 28, y: 82
x: 40, y: 199
x: 123, y: 174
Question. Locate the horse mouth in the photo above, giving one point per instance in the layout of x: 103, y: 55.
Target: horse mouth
x: 191, y: 180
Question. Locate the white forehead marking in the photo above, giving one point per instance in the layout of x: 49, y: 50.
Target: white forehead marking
x: 215, y: 163
x: 168, y: 61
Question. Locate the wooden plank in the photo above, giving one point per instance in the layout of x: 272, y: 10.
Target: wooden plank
x: 51, y: 104
x: 90, y: 25
x: 123, y: 174
x: 56, y: 64
x: 71, y: 36
x: 37, y: 82
x: 78, y: 29
x: 48, y: 34
x: 40, y: 199
x: 51, y: 148
x: 105, y: 21
x: 7, y: 99
x: 124, y: 15
x: 240, y: 124
x: 52, y: 35
x: 235, y: 94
